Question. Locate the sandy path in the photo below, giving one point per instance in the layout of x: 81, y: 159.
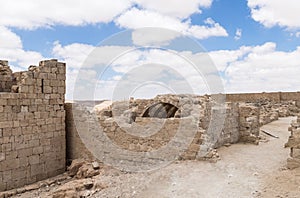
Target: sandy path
x: 244, y: 171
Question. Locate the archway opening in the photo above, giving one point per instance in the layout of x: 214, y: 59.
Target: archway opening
x: 161, y: 110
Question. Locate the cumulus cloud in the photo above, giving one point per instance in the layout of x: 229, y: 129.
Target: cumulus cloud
x: 12, y: 50
x: 136, y: 18
x: 79, y: 55
x: 259, y: 68
x: 247, y: 69
x: 32, y: 14
x: 210, y: 29
x: 178, y: 9
x: 134, y: 67
x: 74, y: 54
x: 276, y: 12
x: 153, y: 36
x: 8, y: 39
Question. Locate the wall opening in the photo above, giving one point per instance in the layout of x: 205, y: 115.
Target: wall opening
x: 161, y: 110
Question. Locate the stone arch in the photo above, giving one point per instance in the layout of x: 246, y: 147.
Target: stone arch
x: 161, y: 110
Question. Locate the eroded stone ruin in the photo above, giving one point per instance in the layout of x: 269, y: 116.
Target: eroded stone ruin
x: 39, y: 132
x: 32, y: 123
x: 294, y: 144
x: 242, y: 121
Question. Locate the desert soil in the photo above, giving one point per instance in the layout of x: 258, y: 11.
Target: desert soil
x: 244, y: 170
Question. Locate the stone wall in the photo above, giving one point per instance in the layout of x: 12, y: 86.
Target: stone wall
x: 294, y: 144
x: 6, y: 77
x: 271, y: 111
x: 74, y: 145
x: 277, y: 97
x: 32, y: 123
x: 249, y: 123
x: 121, y: 119
x: 242, y: 122
x: 253, y: 97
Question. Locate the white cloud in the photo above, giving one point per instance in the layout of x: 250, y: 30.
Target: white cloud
x: 12, y: 50
x: 247, y: 69
x: 153, y: 36
x: 32, y: 14
x: 203, y: 32
x: 297, y: 34
x: 136, y: 18
x: 74, y: 54
x: 238, y: 34
x: 178, y: 9
x: 124, y: 61
x: 8, y: 39
x: 79, y: 55
x: 259, y: 68
x: 276, y: 12
x: 222, y: 58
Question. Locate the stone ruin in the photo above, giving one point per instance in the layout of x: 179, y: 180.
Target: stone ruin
x: 32, y: 123
x: 271, y: 111
x: 156, y: 121
x: 40, y: 133
x: 294, y: 144
x: 122, y: 119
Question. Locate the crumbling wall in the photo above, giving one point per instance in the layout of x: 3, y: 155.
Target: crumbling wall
x: 294, y: 144
x: 277, y: 97
x: 253, y: 97
x: 249, y: 123
x: 6, y: 77
x: 230, y: 133
x: 124, y: 117
x: 271, y: 111
x: 206, y: 134
x: 32, y: 124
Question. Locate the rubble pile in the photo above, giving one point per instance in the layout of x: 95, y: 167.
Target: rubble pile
x: 294, y: 144
x: 271, y: 111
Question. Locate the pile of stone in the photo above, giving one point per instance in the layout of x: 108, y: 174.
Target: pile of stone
x: 84, y: 183
x: 249, y: 123
x: 271, y: 111
x: 294, y: 144
x: 6, y: 79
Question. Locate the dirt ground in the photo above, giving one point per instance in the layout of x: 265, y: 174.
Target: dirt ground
x: 244, y: 170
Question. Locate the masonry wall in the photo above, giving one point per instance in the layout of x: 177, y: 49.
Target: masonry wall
x: 294, y: 144
x: 32, y: 124
x: 254, y: 97
x: 241, y: 124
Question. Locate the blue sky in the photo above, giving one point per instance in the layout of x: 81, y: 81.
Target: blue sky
x: 254, y: 44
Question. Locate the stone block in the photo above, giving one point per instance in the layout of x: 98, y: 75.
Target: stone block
x: 37, y: 169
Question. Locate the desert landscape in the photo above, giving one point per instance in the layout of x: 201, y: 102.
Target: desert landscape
x: 237, y: 145
x: 150, y: 99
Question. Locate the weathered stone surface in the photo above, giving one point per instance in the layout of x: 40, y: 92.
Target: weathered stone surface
x: 95, y: 165
x: 294, y: 144
x: 86, y: 171
x: 28, y: 121
x: 74, y: 167
x: 83, y: 169
x: 293, y: 163
x: 241, y: 123
x: 78, y: 188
